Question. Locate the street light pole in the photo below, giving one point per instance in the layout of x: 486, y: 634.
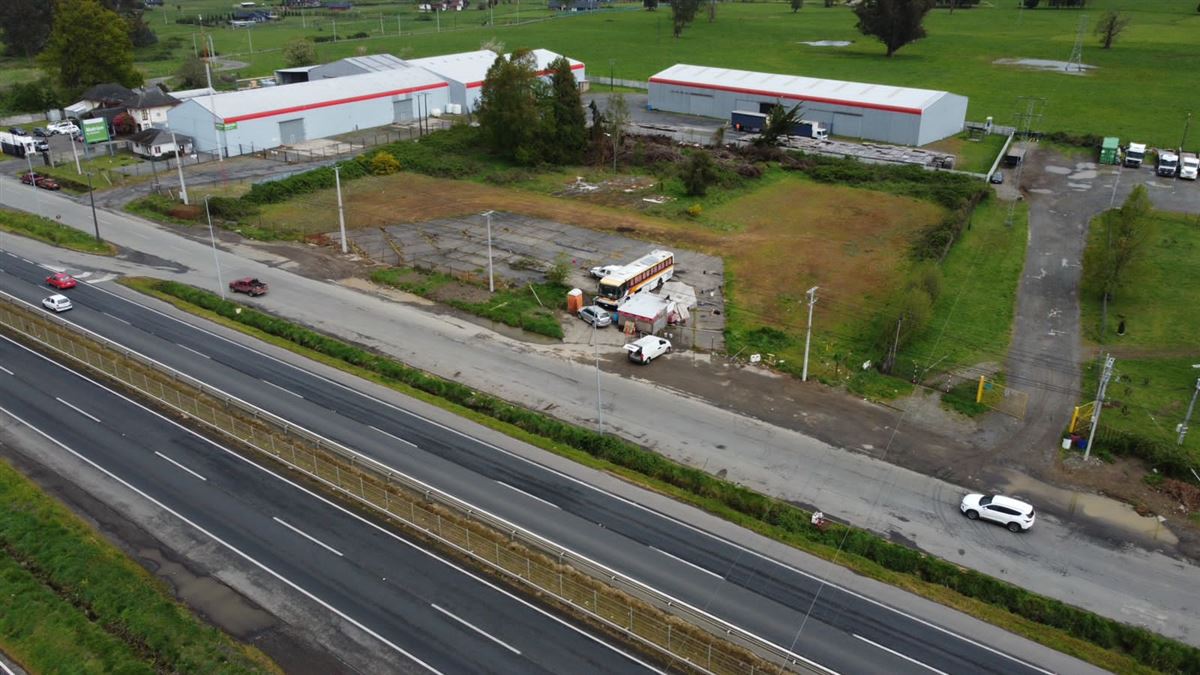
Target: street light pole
x: 599, y: 404
x: 491, y: 279
x: 812, y: 300
x: 1183, y: 428
x: 92, y: 198
x: 213, y: 238
x: 337, y: 182
x: 179, y: 167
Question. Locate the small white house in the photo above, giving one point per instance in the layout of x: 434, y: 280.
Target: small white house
x: 148, y: 107
x: 155, y: 143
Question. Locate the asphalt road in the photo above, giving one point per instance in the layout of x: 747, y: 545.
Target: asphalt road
x: 838, y: 629
x: 432, y: 613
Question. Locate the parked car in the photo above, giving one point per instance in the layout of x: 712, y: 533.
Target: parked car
x: 63, y: 127
x: 604, y: 270
x: 44, y: 182
x: 42, y: 132
x: 17, y: 131
x: 998, y: 177
x: 62, y: 281
x: 596, y: 315
x: 248, y: 285
x: 645, y: 350
x: 1014, y: 514
x: 57, y: 303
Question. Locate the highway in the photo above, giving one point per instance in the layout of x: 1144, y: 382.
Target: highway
x: 841, y: 630
x: 436, y: 616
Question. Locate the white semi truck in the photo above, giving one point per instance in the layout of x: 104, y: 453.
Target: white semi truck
x: 1189, y: 165
x: 1168, y: 164
x: 1135, y: 154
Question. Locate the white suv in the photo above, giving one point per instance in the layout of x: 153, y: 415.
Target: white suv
x: 1014, y: 514
x: 64, y: 127
x: 647, y: 349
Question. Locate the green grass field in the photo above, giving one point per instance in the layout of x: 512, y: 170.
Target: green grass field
x: 1139, y: 88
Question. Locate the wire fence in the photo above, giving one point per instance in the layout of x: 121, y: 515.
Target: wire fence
x: 687, y: 636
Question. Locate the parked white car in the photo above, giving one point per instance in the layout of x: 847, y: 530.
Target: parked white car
x: 64, y: 127
x: 57, y: 303
x: 1014, y: 514
x: 604, y: 270
x: 647, y: 349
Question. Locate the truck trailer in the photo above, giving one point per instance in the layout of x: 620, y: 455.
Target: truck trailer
x: 18, y: 146
x: 755, y: 122
x: 1135, y: 154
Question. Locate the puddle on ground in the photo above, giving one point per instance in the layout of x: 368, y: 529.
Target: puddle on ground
x: 1064, y: 67
x: 827, y: 43
x: 1059, y: 170
x: 1103, y: 509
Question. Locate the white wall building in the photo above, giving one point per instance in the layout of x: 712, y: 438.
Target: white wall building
x: 878, y: 112
x: 465, y: 72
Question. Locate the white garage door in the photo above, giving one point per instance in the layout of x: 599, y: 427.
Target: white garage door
x: 291, y: 131
x: 847, y: 125
x: 402, y: 111
x: 700, y: 104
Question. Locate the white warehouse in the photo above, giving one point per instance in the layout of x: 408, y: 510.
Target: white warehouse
x: 877, y: 112
x: 466, y: 71
x: 250, y: 120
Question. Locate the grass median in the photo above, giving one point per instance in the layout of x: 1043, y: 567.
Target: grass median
x: 1085, y: 635
x: 71, y: 602
x: 52, y: 232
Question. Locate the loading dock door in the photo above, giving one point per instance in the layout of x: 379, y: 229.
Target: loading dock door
x: 700, y: 104
x: 291, y: 132
x: 402, y: 111
x: 846, y: 125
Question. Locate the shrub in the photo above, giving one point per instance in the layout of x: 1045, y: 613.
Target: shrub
x: 384, y: 163
x: 695, y: 210
x: 557, y: 274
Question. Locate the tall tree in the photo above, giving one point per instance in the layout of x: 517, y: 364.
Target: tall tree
x: 299, y: 52
x: 133, y: 11
x: 615, y: 120
x: 895, y: 23
x: 191, y: 73
x: 509, y: 111
x: 1110, y: 26
x: 89, y: 45
x: 1111, y: 259
x: 797, y: 5
x: 683, y: 12
x: 25, y: 26
x: 697, y: 172
x: 568, y: 123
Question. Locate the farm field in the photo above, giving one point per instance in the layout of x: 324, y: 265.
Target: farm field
x: 1134, y: 90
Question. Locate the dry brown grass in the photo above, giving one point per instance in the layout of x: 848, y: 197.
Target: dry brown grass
x: 799, y: 234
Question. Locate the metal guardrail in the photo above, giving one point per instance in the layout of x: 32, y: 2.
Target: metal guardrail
x: 657, y: 620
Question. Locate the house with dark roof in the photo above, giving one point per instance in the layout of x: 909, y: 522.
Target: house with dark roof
x: 107, y: 95
x: 155, y: 143
x: 148, y: 106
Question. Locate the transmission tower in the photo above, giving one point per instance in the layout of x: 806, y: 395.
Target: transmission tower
x: 1076, y: 59
x: 1029, y: 111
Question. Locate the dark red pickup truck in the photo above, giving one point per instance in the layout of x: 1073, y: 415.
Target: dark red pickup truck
x: 248, y: 285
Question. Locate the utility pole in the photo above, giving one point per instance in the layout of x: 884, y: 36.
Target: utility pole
x: 179, y: 167
x: 1104, y: 377
x: 491, y: 279
x: 1076, y: 59
x: 812, y: 300
x: 213, y: 238
x: 1183, y: 428
x: 212, y: 107
x: 337, y: 181
x: 1186, y: 123
x: 75, y: 154
x: 250, y: 39
x: 92, y: 198
x: 1025, y: 121
x: 599, y: 406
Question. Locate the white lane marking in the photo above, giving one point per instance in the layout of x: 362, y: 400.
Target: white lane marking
x: 6, y: 669
x: 102, y: 278
x: 338, y: 507
x: 193, y: 350
x: 309, y: 537
x: 217, y: 539
x: 83, y: 275
x: 76, y: 409
x: 482, y: 632
x: 180, y: 466
x: 893, y: 652
x: 6, y: 370
x: 517, y: 489
x: 114, y: 316
x: 393, y: 436
x: 283, y: 389
x: 686, y: 562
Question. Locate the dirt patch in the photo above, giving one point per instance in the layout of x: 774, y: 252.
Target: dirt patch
x: 631, y: 192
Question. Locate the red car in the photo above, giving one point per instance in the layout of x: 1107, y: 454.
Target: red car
x: 44, y: 182
x: 248, y: 285
x: 61, y: 281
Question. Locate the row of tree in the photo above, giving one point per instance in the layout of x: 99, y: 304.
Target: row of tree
x: 527, y: 120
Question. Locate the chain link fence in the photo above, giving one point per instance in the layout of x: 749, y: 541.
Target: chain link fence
x: 688, y: 636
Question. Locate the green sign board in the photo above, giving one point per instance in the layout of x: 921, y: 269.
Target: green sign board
x: 221, y: 126
x: 95, y: 130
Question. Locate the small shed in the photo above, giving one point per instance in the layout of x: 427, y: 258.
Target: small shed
x: 1015, y: 155
x: 647, y: 311
x: 154, y: 143
x: 1110, y: 150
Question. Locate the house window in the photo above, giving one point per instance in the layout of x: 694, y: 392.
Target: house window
x: 145, y: 115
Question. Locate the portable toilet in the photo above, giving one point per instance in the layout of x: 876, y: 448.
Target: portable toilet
x: 574, y: 300
x: 1109, y: 152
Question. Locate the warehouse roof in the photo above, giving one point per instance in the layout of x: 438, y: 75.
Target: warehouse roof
x: 471, y: 68
x: 251, y: 104
x: 797, y: 88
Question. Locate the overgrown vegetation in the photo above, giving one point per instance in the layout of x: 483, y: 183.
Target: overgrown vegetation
x: 52, y: 232
x: 781, y: 519
x: 74, y: 603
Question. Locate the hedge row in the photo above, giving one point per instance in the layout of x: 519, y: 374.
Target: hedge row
x: 1148, y: 648
x: 1171, y: 459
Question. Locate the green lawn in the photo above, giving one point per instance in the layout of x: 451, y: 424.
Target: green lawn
x: 1137, y: 89
x: 1147, y: 398
x: 51, y: 232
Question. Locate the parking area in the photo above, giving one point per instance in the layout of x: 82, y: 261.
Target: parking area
x: 523, y: 248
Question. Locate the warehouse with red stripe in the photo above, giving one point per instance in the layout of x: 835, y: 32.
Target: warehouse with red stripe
x: 877, y: 112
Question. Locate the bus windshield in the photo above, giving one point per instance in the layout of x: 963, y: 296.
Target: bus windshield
x: 610, y: 290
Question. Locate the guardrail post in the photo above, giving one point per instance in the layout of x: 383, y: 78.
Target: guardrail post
x: 337, y: 474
